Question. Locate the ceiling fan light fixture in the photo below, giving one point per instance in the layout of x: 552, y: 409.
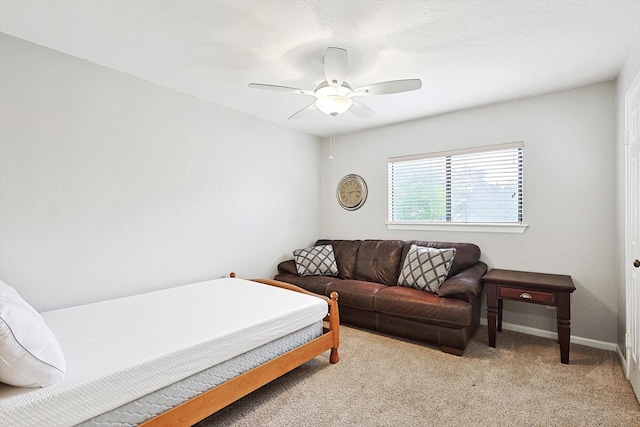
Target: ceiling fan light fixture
x: 333, y: 95
x: 333, y: 105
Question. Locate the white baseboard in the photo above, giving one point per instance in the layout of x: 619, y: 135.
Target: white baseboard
x: 623, y: 360
x: 602, y: 345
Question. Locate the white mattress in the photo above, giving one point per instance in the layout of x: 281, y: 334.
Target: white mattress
x: 120, y: 350
x: 140, y: 410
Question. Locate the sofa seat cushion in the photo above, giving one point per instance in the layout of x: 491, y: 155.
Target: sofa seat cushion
x: 424, y: 307
x: 355, y: 293
x: 315, y: 284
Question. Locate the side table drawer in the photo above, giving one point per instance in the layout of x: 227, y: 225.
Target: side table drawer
x: 528, y: 295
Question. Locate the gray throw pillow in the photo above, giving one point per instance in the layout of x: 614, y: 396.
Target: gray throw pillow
x: 316, y: 261
x: 426, y: 268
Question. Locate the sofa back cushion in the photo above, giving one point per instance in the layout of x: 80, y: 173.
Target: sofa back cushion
x: 379, y: 261
x: 467, y: 254
x: 345, y: 252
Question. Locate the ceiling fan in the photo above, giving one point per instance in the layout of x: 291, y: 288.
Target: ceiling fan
x: 335, y: 96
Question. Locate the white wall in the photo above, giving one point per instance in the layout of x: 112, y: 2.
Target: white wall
x: 111, y: 185
x: 628, y: 73
x: 569, y: 194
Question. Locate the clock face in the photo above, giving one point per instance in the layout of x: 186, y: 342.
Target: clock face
x: 351, y: 192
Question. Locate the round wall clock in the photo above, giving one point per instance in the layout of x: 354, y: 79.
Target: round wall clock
x: 351, y: 192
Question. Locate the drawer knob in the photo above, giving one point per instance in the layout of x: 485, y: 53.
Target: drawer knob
x: 525, y: 295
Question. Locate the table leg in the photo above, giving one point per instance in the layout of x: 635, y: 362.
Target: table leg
x: 492, y: 310
x: 500, y: 315
x: 564, y: 325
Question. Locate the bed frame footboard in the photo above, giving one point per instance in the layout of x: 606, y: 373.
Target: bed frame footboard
x: 211, y: 401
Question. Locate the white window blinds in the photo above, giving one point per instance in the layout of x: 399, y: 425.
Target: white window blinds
x: 481, y: 185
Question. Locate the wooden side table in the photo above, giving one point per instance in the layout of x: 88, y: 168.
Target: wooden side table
x: 536, y: 288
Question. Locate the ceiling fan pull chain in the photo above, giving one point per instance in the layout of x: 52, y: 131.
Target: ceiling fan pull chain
x: 332, y: 137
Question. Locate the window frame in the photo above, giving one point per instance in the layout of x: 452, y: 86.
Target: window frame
x: 448, y: 225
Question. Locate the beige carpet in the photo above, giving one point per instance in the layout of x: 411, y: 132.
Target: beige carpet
x: 385, y: 381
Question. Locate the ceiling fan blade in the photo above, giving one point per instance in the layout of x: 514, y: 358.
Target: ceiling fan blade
x: 335, y: 66
x: 362, y: 111
x: 281, y: 88
x: 386, y: 88
x: 303, y: 112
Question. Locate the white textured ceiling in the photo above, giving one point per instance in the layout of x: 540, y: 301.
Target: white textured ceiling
x: 467, y: 52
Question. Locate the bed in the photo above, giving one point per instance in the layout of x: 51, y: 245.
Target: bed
x: 176, y: 356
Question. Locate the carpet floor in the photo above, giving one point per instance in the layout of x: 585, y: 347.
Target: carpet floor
x: 385, y: 381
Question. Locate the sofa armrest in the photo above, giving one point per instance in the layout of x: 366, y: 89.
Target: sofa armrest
x: 288, y: 266
x: 467, y: 284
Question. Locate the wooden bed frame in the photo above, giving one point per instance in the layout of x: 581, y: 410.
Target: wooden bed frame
x: 211, y: 401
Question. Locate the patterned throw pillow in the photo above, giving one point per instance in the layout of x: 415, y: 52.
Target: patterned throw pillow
x: 316, y: 261
x: 426, y: 268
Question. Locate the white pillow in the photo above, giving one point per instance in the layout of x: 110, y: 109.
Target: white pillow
x: 30, y: 355
x: 426, y: 268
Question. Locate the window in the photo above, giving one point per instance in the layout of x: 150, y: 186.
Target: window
x: 482, y: 185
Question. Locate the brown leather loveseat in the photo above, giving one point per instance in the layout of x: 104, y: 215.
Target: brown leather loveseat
x: 366, y: 281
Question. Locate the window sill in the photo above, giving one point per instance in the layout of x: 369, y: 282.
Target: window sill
x: 473, y: 227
